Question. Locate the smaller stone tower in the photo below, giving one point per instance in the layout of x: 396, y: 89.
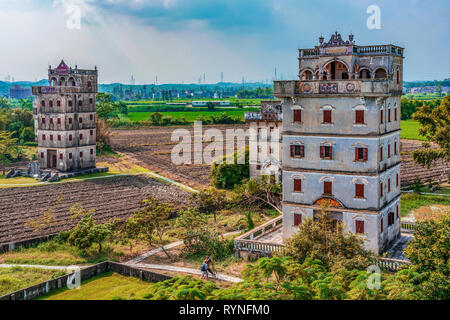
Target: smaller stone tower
x: 64, y: 115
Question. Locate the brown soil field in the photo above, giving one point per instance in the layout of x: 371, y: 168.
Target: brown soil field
x: 151, y: 148
x: 111, y: 198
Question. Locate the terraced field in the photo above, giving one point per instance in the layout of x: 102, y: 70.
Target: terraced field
x: 110, y: 198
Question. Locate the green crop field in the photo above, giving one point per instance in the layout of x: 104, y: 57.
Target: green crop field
x: 410, y: 130
x: 190, y: 116
x: 106, y: 286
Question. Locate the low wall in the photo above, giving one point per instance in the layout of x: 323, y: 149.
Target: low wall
x: 85, y: 273
x: 5, y: 247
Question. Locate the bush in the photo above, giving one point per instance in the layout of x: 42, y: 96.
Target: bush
x: 227, y: 176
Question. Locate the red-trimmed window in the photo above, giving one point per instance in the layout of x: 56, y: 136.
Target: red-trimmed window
x: 42, y: 155
x: 381, y: 189
x: 297, y: 219
x: 389, y: 185
x: 395, y: 114
x: 58, y: 121
x: 326, y: 152
x: 51, y: 137
x: 51, y: 120
x: 381, y: 153
x: 389, y: 150
x: 92, y: 151
x: 70, y: 137
x: 326, y: 116
x: 359, y: 190
x: 396, y: 211
x: 359, y: 116
x: 50, y: 103
x: 70, y: 120
x: 43, y: 121
x: 70, y: 155
x: 390, y: 218
x: 60, y: 156
x: 58, y: 103
x: 81, y: 136
x: 297, y: 151
x: 80, y: 120
x: 389, y: 115
x: 80, y: 103
x: 59, y: 137
x: 360, y: 154
x: 297, y: 185
x: 297, y: 115
x: 381, y: 225
x: 395, y: 147
x: 91, y: 100
x: 42, y: 103
x: 381, y: 117
x: 91, y: 132
x: 91, y: 117
x: 43, y: 137
x: 359, y: 226
x: 327, y: 188
x: 396, y: 180
x: 70, y: 103
x: 81, y: 154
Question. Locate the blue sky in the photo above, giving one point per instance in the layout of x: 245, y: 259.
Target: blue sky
x: 180, y: 40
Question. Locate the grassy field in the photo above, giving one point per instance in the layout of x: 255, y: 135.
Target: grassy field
x: 16, y: 278
x: 106, y: 286
x: 412, y: 201
x: 190, y: 116
x: 410, y: 130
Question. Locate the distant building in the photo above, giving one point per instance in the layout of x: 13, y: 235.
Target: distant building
x: 341, y: 139
x: 18, y: 92
x: 266, y: 126
x: 64, y: 115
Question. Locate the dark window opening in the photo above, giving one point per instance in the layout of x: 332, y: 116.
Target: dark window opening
x: 326, y: 152
x: 327, y: 188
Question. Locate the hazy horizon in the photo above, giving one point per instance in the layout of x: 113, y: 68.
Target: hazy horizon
x: 180, y: 41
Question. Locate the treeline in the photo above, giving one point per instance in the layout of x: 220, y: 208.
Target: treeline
x: 157, y: 119
x: 168, y: 108
x: 19, y: 122
x: 258, y: 93
x: 409, y: 106
x: 445, y: 83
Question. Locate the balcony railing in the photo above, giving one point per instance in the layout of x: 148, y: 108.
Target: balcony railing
x: 364, y: 50
x: 263, y: 116
x: 62, y: 90
x: 344, y: 86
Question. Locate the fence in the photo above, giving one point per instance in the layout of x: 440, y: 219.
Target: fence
x: 247, y: 241
x: 85, y: 273
x: 407, y: 227
x: 390, y: 264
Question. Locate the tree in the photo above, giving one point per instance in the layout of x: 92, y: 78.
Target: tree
x: 8, y: 148
x: 122, y: 107
x: 429, y: 254
x: 103, y: 135
x: 105, y: 105
x: 227, y: 176
x: 210, y: 106
x: 153, y: 221
x: 4, y: 103
x: 328, y: 242
x: 435, y: 126
x: 256, y: 193
x: 87, y: 232
x: 209, y: 200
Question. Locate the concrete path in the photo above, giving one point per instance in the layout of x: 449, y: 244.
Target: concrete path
x: 138, y: 259
x: 185, y: 270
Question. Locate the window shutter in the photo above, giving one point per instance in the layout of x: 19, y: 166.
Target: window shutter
x: 297, y: 185
x: 365, y: 153
x: 359, y: 226
x: 327, y: 116
x: 395, y: 147
x: 389, y: 185
x: 381, y: 189
x: 381, y: 224
x: 396, y: 209
x: 322, y: 152
x: 396, y: 179
x: 381, y: 153
x: 389, y: 115
x: 297, y: 219
x: 327, y: 189
x: 359, y: 190
x: 360, y: 116
x: 302, y: 151
x: 356, y: 154
x: 298, y: 115
x: 381, y: 116
x: 292, y: 150
x: 395, y: 114
x: 60, y: 156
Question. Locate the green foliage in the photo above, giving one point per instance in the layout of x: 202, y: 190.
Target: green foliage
x: 429, y: 253
x: 151, y: 222
x: 411, y: 201
x: 435, y: 127
x: 87, y: 232
x: 257, y: 194
x: 264, y: 93
x: 250, y: 223
x: 209, y: 200
x: 329, y: 243
x: 226, y: 176
x: 181, y: 288
x: 199, y: 239
x: 8, y: 148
